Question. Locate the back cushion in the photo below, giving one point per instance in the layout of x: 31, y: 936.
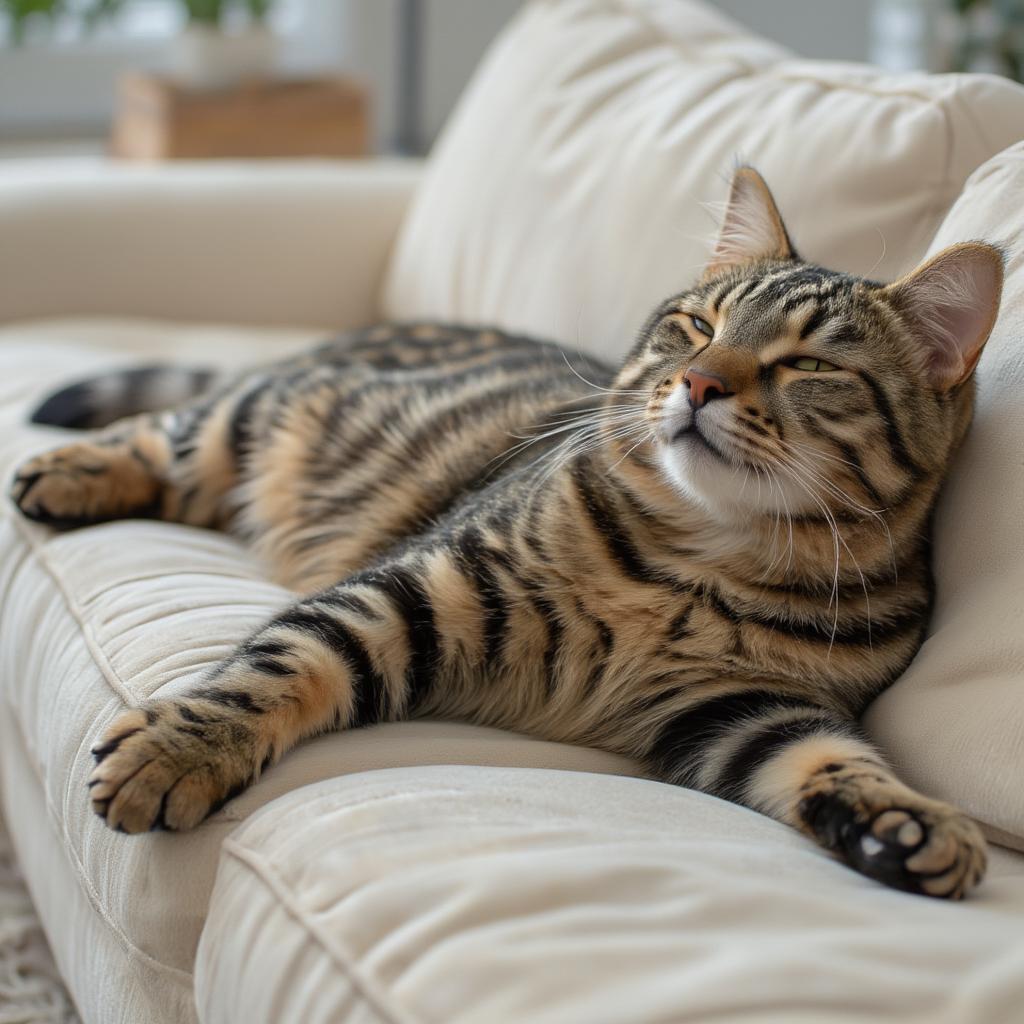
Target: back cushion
x: 954, y: 723
x: 564, y: 198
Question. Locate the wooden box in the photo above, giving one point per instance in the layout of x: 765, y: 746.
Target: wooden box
x: 159, y: 119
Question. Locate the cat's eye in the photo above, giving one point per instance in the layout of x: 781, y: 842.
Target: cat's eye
x: 703, y: 326
x: 812, y: 365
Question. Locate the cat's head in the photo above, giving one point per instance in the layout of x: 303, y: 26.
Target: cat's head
x: 775, y: 385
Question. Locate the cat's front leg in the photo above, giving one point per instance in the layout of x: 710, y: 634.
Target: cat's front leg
x: 811, y: 768
x: 341, y: 659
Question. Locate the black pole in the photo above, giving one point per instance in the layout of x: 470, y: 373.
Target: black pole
x: 409, y: 111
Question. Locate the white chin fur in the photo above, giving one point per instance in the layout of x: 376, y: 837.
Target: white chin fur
x: 702, y: 477
x: 705, y: 479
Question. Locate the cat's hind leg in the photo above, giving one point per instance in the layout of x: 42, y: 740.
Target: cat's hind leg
x: 113, y: 475
x: 177, y: 466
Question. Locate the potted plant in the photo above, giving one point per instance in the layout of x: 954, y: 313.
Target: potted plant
x: 223, y: 41
x: 214, y: 52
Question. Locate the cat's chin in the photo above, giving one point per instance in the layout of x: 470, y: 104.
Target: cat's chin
x: 705, y: 476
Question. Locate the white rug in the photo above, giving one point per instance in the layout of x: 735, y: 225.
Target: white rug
x: 30, y: 988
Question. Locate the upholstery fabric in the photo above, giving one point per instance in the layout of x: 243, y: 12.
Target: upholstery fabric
x: 954, y: 723
x: 470, y: 895
x: 93, y: 619
x: 260, y: 243
x: 565, y: 196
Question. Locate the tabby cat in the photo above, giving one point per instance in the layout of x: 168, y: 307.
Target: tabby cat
x: 709, y: 561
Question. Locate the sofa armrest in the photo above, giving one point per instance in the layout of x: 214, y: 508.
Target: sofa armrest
x: 302, y: 243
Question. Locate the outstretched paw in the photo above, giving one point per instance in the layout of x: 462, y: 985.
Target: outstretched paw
x: 892, y: 834
x: 85, y: 483
x: 167, y: 765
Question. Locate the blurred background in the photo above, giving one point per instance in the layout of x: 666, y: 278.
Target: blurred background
x: 158, y: 79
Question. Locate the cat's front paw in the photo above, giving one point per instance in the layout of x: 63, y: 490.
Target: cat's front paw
x: 892, y: 834
x: 166, y: 765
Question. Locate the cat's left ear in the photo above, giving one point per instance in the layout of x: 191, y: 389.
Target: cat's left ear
x: 951, y: 302
x: 752, y: 227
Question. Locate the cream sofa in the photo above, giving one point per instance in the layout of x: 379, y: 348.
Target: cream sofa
x: 441, y: 873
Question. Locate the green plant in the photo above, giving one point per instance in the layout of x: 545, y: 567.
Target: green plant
x: 20, y: 13
x: 991, y: 31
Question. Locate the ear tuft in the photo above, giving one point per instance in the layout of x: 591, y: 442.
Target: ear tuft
x: 951, y: 302
x: 752, y: 228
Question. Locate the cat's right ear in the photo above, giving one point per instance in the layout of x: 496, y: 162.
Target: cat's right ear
x: 950, y: 303
x: 752, y: 228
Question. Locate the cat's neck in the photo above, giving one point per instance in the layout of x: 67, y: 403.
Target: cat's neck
x: 677, y: 532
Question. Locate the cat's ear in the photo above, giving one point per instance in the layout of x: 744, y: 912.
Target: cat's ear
x: 752, y: 227
x: 950, y: 303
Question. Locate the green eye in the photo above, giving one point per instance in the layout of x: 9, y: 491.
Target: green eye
x: 812, y: 365
x: 703, y: 326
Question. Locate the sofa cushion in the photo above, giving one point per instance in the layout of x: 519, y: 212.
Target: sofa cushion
x: 94, y: 619
x: 954, y: 723
x: 463, y: 895
x: 564, y: 197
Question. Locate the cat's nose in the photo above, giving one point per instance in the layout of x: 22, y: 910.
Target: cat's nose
x: 704, y: 386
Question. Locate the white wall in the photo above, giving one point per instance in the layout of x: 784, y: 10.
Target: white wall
x: 458, y: 31
x: 826, y: 29
x: 74, y: 92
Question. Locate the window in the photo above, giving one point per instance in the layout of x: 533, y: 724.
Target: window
x: 62, y: 80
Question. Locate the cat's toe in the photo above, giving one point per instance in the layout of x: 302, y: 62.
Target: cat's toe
x: 156, y: 770
x: 932, y: 849
x: 52, y: 489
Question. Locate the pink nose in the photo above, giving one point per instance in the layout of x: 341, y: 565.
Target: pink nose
x: 704, y: 386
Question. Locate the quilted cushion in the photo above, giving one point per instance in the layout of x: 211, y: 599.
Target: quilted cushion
x: 472, y: 895
x: 564, y: 197
x: 93, y: 619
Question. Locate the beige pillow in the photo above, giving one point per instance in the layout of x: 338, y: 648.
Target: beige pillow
x: 954, y: 723
x: 564, y: 197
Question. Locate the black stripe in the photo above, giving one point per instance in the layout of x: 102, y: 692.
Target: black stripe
x: 885, y: 411
x: 351, y: 602
x: 765, y: 743
x: 813, y: 322
x: 718, y: 295
x: 616, y: 538
x: 553, y: 623
x: 859, y: 632
x: 741, y: 291
x: 676, y: 749
x: 851, y: 456
x: 370, y: 699
x: 237, y: 699
x: 406, y: 592
x: 239, y: 430
x: 475, y: 561
x: 679, y: 627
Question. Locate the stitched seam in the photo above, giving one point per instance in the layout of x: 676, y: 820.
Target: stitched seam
x: 57, y: 824
x: 361, y: 983
x: 92, y: 644
x: 57, y: 821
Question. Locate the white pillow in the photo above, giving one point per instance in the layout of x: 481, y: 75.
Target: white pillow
x: 954, y: 723
x: 564, y: 197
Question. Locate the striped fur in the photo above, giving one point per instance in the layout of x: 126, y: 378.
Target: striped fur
x: 493, y: 529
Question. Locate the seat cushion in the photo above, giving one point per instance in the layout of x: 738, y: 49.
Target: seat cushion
x: 94, y: 619
x: 565, y: 196
x: 464, y: 895
x: 954, y: 723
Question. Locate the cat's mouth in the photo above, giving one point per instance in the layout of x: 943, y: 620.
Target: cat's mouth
x: 692, y: 434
